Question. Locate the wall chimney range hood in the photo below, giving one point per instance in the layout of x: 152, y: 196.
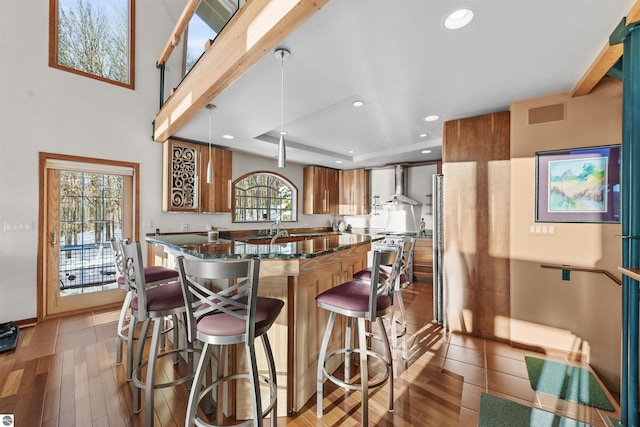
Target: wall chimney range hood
x: 399, y: 198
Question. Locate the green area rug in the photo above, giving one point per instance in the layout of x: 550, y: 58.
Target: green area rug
x: 615, y: 422
x: 498, y: 412
x: 567, y: 382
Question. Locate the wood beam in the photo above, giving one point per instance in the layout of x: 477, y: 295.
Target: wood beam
x: 254, y: 30
x: 181, y: 25
x: 607, y: 57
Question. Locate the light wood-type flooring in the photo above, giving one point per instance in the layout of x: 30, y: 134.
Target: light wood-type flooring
x: 63, y: 373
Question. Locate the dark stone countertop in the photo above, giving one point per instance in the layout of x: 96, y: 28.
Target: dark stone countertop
x: 295, y: 246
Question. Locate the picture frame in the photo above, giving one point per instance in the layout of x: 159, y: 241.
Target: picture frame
x: 578, y: 185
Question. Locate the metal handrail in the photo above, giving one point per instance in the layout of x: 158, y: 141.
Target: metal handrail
x: 586, y: 269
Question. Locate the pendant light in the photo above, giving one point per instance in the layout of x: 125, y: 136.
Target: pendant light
x: 282, y: 54
x: 210, y: 107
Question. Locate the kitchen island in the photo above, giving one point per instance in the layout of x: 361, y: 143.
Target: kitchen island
x: 295, y: 269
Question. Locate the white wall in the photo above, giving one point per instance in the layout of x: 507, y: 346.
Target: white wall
x: 418, y: 185
x: 43, y: 109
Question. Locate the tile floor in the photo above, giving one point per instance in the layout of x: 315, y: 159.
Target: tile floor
x: 500, y: 369
x: 487, y: 366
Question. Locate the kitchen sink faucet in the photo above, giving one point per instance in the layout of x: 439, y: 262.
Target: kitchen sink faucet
x: 277, y: 226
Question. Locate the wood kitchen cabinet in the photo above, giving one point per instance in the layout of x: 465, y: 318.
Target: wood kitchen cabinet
x: 320, y: 190
x: 354, y: 192
x: 184, y: 178
x: 423, y: 260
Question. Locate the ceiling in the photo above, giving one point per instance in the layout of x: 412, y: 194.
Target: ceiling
x: 398, y: 58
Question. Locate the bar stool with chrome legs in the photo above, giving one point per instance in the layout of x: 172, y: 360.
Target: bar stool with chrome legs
x: 364, y: 301
x: 403, y: 281
x: 224, y: 309
x: 153, y: 276
x: 152, y: 304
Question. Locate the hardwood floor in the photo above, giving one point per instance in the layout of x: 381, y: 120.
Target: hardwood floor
x: 63, y: 373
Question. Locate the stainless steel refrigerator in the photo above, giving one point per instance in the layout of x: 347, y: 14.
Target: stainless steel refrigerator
x: 438, y: 249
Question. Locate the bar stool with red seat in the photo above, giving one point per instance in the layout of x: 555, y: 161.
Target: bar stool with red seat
x: 223, y: 310
x: 147, y: 305
x: 363, y: 301
x: 153, y: 276
x: 401, y: 282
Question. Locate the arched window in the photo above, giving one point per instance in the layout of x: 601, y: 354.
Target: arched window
x: 264, y: 196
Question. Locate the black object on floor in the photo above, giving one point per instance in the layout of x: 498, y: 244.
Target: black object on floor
x: 8, y: 336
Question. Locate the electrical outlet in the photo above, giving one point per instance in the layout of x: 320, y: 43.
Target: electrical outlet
x: 26, y: 226
x: 542, y: 230
x: 184, y: 227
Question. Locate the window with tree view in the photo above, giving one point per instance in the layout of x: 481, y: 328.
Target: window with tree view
x: 264, y: 196
x: 94, y: 38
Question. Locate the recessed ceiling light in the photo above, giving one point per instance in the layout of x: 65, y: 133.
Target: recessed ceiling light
x: 351, y: 151
x: 358, y: 103
x: 283, y: 132
x: 431, y: 118
x: 458, y: 19
x: 423, y: 135
x: 425, y: 151
x: 338, y: 161
x: 227, y: 136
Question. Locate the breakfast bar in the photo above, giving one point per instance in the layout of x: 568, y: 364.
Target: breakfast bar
x: 294, y: 269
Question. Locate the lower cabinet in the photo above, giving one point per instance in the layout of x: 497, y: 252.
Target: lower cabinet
x: 297, y: 333
x: 423, y: 260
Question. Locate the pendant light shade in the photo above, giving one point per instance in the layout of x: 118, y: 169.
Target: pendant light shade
x: 282, y: 54
x: 210, y: 107
x: 282, y: 152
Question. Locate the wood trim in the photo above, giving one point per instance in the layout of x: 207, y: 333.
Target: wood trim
x: 292, y: 285
x: 42, y: 194
x: 233, y: 53
x: 181, y: 25
x: 634, y: 13
x: 633, y: 273
x: 25, y: 322
x: 606, y: 59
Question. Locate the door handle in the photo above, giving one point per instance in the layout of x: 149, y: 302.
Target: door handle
x: 53, y: 239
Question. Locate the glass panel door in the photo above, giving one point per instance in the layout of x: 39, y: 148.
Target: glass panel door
x: 90, y: 215
x: 85, y: 205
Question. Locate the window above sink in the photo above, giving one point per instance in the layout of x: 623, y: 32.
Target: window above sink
x: 264, y: 197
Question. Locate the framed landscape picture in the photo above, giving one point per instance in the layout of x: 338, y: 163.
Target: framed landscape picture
x: 578, y: 185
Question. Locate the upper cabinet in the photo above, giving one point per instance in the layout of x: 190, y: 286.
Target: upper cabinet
x: 184, y: 178
x: 354, y: 192
x: 321, y: 190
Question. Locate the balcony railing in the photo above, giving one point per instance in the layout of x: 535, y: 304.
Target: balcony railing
x: 86, y: 268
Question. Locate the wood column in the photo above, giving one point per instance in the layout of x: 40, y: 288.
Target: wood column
x: 475, y: 156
